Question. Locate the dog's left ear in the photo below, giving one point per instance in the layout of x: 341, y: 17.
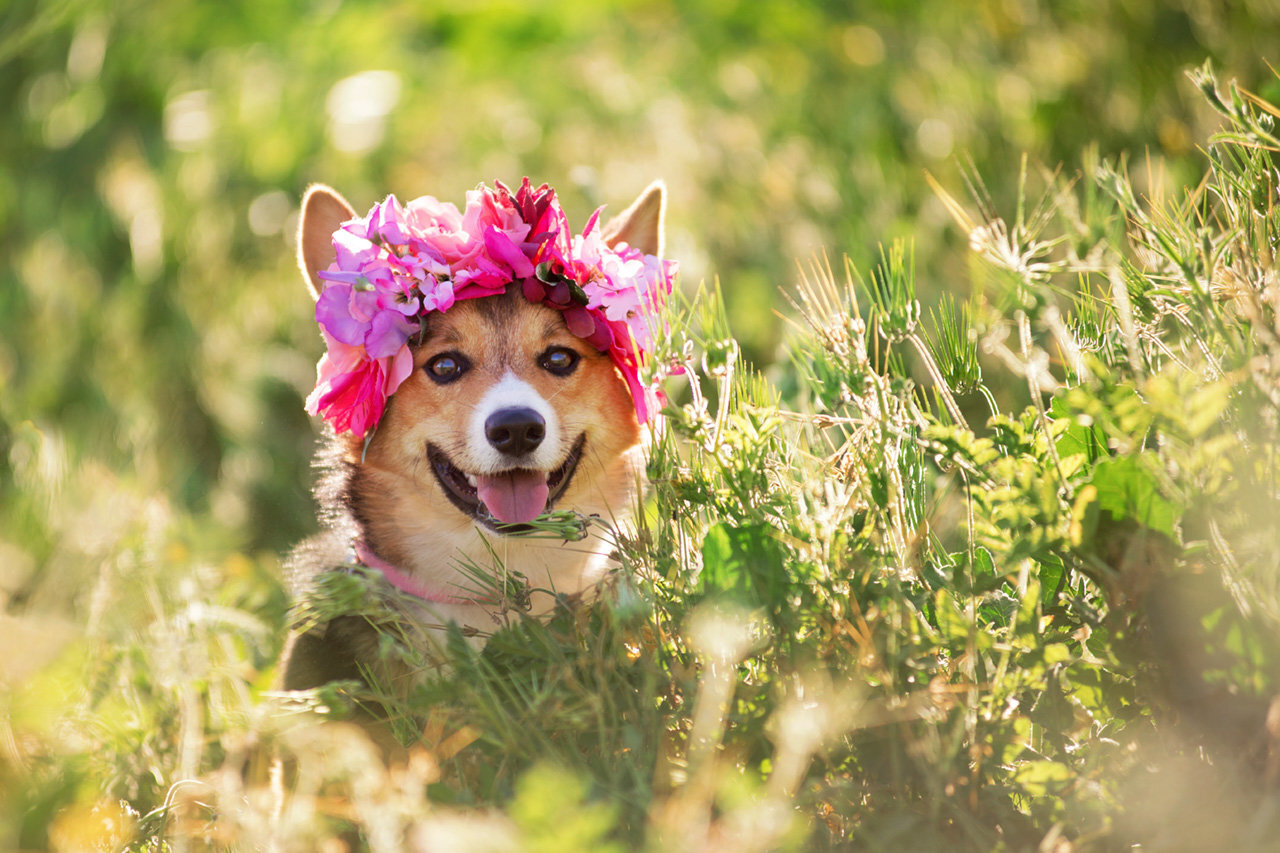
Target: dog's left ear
x: 323, y: 210
x: 640, y: 225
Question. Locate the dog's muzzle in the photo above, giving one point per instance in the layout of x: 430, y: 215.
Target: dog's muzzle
x: 504, y: 501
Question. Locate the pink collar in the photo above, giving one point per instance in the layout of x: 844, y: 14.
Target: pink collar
x: 402, y: 581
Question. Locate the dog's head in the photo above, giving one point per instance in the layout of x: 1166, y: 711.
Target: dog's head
x: 506, y: 412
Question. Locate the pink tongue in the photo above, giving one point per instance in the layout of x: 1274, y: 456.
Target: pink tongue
x: 514, y: 497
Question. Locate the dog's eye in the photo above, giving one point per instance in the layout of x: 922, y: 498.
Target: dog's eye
x: 559, y: 360
x: 446, y: 367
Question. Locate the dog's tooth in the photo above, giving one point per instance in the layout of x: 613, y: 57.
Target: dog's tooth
x: 471, y: 480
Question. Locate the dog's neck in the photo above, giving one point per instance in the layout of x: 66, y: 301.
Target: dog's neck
x: 403, y: 582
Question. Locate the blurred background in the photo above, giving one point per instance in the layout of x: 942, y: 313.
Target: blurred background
x: 156, y: 341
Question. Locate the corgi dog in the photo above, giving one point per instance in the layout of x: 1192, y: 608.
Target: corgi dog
x: 480, y: 373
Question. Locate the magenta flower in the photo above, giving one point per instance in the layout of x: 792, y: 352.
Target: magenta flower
x: 355, y: 251
x: 352, y: 389
x: 630, y: 289
x: 436, y: 227
x: 387, y: 221
x: 360, y: 318
x: 487, y: 210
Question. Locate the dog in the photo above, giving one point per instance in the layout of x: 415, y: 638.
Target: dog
x: 512, y: 391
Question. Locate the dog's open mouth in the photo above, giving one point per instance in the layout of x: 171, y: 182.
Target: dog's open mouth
x: 507, y: 501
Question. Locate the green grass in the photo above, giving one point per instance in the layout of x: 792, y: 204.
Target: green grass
x: 1000, y: 575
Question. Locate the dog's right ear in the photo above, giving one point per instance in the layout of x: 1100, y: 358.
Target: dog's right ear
x: 640, y: 225
x: 323, y: 210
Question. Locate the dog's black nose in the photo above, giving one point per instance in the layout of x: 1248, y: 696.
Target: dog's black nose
x: 515, y: 431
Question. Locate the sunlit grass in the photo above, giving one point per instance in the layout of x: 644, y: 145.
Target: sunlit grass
x: 995, y: 575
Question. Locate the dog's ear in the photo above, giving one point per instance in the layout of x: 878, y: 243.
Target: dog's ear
x: 640, y: 225
x: 323, y: 210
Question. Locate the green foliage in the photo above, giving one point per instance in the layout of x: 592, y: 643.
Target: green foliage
x: 553, y: 814
x: 999, y: 574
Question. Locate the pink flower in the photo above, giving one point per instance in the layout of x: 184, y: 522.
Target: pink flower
x: 506, y: 252
x: 436, y: 228
x: 482, y: 277
x: 576, y: 258
x: 494, y: 215
x: 487, y: 209
x: 387, y: 220
x: 363, y: 318
x: 351, y: 389
x: 354, y: 250
x: 388, y: 333
x: 631, y: 288
x: 548, y: 226
x: 437, y: 296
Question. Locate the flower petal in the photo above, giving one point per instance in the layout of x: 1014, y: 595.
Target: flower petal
x: 334, y: 315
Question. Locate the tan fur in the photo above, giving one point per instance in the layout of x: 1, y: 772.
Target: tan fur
x: 323, y: 210
x: 410, y: 521
x: 640, y: 225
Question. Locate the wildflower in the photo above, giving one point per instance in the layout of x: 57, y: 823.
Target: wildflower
x: 352, y: 388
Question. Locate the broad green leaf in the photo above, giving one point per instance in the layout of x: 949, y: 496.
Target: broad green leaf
x: 1127, y: 490
x: 1081, y: 436
x: 744, y: 562
x: 951, y: 620
x: 1043, y: 778
x: 1056, y: 653
x: 1051, y: 572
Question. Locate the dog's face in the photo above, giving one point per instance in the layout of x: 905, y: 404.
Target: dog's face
x: 507, y: 414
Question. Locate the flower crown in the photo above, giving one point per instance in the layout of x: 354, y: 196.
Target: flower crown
x: 398, y: 264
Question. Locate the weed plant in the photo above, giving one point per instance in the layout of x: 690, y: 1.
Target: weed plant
x: 874, y: 600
